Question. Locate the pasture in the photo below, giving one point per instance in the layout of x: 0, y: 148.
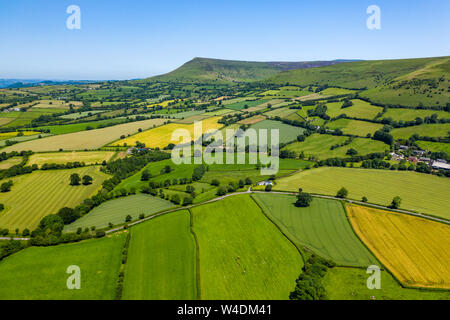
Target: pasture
x: 419, y: 192
x: 115, y: 211
x: 39, y: 273
x: 434, y: 146
x: 242, y: 254
x: 351, y: 284
x: 427, y: 130
x: 75, y: 127
x: 287, y: 133
x: 8, y: 163
x: 162, y: 260
x: 398, y: 114
x: 88, y: 157
x: 360, y: 109
x: 91, y: 139
x: 162, y: 136
x: 40, y: 193
x: 415, y: 250
x: 24, y: 138
x: 246, y: 104
x: 322, y: 227
x: 355, y: 127
x: 319, y: 146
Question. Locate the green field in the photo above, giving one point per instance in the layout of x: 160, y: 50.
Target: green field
x: 360, y: 109
x: 79, y: 115
x: 88, y: 157
x: 115, y: 211
x: 40, y: 193
x: 287, y: 133
x: 322, y: 227
x: 419, y: 192
x: 39, y: 273
x: 350, y: 284
x: 23, y: 138
x: 249, y: 103
x: 162, y: 260
x: 24, y: 118
x: 70, y: 128
x: 355, y: 127
x: 242, y: 254
x: 427, y: 130
x: 319, y: 145
x: 434, y: 146
x: 398, y: 114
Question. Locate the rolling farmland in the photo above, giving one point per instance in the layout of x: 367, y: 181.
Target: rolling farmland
x: 88, y: 157
x: 379, y: 186
x: 355, y: 127
x: 242, y: 254
x: 428, y: 130
x: 287, y: 133
x: 414, y: 249
x: 162, y: 260
x: 91, y: 139
x: 322, y: 227
x: 40, y: 193
x: 40, y: 272
x: 115, y: 211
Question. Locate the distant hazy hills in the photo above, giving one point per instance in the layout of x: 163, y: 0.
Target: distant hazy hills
x: 22, y: 83
x: 215, y: 70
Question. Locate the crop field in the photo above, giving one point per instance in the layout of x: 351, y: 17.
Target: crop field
x: 8, y: 135
x: 246, y: 104
x: 39, y: 273
x: 88, y: 157
x: 91, y: 139
x: 287, y: 133
x: 242, y: 254
x: 23, y: 138
x: 162, y: 260
x: 114, y: 211
x: 8, y: 163
x: 355, y: 127
x: 24, y: 118
x: 428, y: 130
x: 360, y: 109
x: 419, y: 192
x: 398, y: 114
x: 79, y: 115
x: 322, y: 227
x: 281, y: 112
x: 434, y: 146
x: 57, y: 104
x: 415, y: 250
x: 351, y: 284
x: 40, y: 193
x: 319, y: 145
x: 162, y: 136
x: 75, y: 127
x: 253, y: 120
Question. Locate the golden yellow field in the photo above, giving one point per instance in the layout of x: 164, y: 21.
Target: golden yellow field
x: 8, y: 135
x: 160, y: 137
x: 162, y: 104
x: 89, y: 157
x: 253, y: 120
x: 415, y: 250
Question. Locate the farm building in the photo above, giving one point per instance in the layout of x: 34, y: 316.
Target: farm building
x: 440, y: 165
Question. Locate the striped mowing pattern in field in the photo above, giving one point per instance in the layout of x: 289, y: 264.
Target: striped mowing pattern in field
x: 162, y: 260
x: 89, y: 157
x: 40, y: 193
x: 322, y: 227
x: 415, y: 250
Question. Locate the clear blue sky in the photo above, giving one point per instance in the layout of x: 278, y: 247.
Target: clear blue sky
x: 131, y: 39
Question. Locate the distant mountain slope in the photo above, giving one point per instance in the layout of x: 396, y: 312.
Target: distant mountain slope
x: 405, y: 82
x: 215, y: 70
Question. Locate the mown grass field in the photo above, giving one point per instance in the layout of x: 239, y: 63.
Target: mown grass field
x: 350, y: 284
x: 322, y: 227
x: 8, y: 163
x: 434, y: 146
x: 23, y: 118
x: 39, y: 273
x: 242, y: 254
x: 75, y: 127
x: 246, y: 104
x: 91, y: 139
x: 162, y: 136
x: 319, y: 146
x: 40, y: 193
x: 287, y: 133
x: 162, y: 260
x: 355, y: 127
x: 428, y: 130
x: 282, y: 113
x: 81, y: 114
x: 115, y: 211
x: 419, y: 192
x: 23, y: 138
x: 88, y: 157
x: 415, y: 250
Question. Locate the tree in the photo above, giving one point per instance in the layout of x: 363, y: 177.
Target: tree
x: 25, y: 232
x: 342, y: 193
x: 187, y: 201
x: 268, y: 188
x: 141, y: 216
x: 128, y: 218
x: 222, y: 191
x: 75, y: 179
x: 395, y: 204
x: 87, y: 180
x: 351, y: 152
x: 215, y: 182
x: 175, y: 198
x: 68, y: 215
x: 6, y: 186
x: 364, y: 199
x: 303, y: 199
x: 248, y: 181
x: 145, y: 175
